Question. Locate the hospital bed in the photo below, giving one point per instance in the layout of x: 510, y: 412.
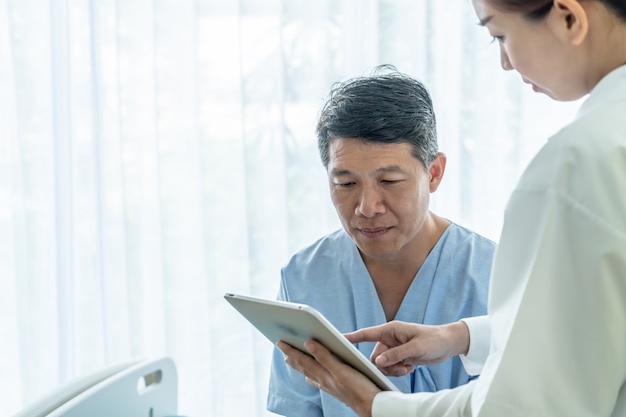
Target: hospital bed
x: 137, y: 388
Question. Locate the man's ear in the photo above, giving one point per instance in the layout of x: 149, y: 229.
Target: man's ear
x: 571, y: 20
x: 436, y: 170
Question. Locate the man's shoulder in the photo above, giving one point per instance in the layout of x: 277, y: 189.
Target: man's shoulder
x: 466, y: 256
x: 460, y: 235
x: 464, y: 248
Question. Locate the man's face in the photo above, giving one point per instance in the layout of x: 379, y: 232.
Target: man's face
x: 381, y: 193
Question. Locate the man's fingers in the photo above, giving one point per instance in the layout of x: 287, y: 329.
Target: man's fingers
x: 313, y: 366
x: 313, y: 382
x: 319, y: 352
x: 297, y: 359
x: 286, y: 348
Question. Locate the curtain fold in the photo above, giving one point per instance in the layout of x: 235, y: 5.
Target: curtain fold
x: 155, y: 154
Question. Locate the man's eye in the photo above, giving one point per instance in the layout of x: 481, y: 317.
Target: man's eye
x: 498, y: 39
x: 345, y: 184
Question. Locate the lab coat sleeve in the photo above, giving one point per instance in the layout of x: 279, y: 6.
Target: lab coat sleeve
x: 443, y: 403
x: 480, y: 336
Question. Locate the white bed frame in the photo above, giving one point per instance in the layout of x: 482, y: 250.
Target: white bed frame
x: 137, y: 388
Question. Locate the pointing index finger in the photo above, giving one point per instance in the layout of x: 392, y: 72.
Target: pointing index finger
x: 368, y: 334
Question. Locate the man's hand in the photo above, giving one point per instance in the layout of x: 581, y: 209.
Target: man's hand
x: 324, y: 371
x: 401, y: 346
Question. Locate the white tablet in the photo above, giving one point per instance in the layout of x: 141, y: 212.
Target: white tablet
x: 296, y: 323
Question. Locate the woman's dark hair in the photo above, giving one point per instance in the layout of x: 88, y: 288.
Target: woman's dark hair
x: 385, y: 107
x: 537, y: 9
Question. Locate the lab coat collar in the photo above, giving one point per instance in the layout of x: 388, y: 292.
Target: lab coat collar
x: 610, y: 88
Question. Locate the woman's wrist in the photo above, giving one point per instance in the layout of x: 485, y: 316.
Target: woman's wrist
x: 458, y: 337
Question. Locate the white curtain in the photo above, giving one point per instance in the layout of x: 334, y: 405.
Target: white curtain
x: 155, y: 154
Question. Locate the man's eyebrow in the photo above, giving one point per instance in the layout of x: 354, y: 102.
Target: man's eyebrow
x: 485, y: 20
x: 391, y: 168
x: 339, y: 172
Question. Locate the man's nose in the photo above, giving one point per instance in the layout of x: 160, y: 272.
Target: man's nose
x: 371, y: 202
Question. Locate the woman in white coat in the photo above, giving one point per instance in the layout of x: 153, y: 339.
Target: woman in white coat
x: 557, y: 309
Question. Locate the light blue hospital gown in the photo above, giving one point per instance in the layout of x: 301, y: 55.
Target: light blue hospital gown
x: 331, y: 276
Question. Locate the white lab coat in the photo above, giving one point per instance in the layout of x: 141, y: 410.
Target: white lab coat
x: 557, y: 303
x: 480, y: 337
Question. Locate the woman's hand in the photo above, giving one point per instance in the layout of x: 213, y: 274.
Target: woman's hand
x: 401, y: 346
